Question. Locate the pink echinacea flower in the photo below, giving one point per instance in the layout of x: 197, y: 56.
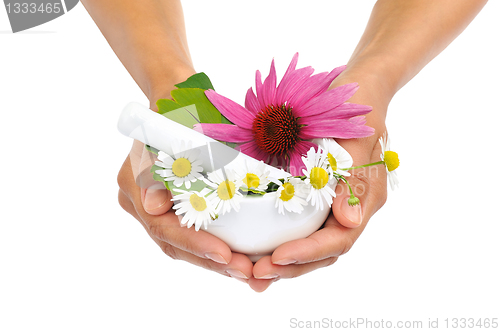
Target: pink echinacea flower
x: 278, y: 122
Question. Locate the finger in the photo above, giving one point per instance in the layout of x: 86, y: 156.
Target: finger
x: 347, y: 215
x: 156, y: 199
x: 264, y: 269
x: 239, y: 267
x: 368, y: 184
x: 167, y: 227
x: 260, y: 285
x: 332, y: 240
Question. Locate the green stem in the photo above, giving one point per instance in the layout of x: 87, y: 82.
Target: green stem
x: 345, y: 180
x: 372, y: 164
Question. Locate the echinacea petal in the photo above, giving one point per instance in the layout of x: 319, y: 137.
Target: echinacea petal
x: 251, y: 102
x: 296, y: 163
x: 269, y: 86
x: 335, y: 128
x: 224, y: 132
x: 327, y: 101
x: 347, y: 110
x: 251, y: 149
x: 311, y: 87
x: 291, y: 84
x: 235, y: 113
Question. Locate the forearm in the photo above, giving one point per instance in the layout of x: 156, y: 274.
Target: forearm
x: 149, y: 38
x: 401, y: 37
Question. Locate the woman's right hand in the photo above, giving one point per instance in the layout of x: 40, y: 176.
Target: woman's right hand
x: 150, y: 203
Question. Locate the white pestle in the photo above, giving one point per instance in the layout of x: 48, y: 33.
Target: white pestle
x: 140, y: 123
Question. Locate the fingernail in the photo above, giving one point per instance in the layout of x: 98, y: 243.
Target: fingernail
x: 156, y: 196
x: 242, y: 280
x: 236, y: 274
x: 353, y: 213
x: 216, y: 257
x: 269, y: 276
x: 285, y: 261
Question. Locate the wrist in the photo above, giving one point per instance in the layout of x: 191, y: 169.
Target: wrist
x: 160, y: 87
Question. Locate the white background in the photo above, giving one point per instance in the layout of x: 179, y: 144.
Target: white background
x: 72, y: 260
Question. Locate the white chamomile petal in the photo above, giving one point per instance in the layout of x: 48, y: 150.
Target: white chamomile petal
x: 226, y: 195
x: 391, y: 160
x: 290, y: 196
x: 195, y: 207
x: 253, y: 174
x: 319, y: 179
x: 184, y: 168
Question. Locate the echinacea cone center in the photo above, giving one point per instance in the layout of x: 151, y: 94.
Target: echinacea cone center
x: 276, y: 130
x: 318, y: 177
x: 226, y: 190
x: 391, y: 160
x: 181, y: 167
x: 251, y: 180
x: 287, y: 192
x: 198, y: 203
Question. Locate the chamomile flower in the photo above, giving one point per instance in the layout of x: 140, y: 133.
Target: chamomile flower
x: 183, y: 168
x: 196, y: 208
x: 291, y: 196
x: 336, y: 156
x: 254, y: 175
x: 226, y: 195
x: 319, y: 178
x: 390, y: 159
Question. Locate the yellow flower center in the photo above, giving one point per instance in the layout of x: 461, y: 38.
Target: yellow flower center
x: 226, y: 190
x: 287, y: 192
x: 391, y: 160
x: 251, y: 180
x: 181, y: 167
x: 319, y: 177
x: 332, y: 161
x: 198, y: 203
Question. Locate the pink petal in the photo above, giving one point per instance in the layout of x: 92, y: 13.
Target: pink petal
x: 358, y: 120
x: 224, y: 132
x: 327, y: 101
x: 234, y: 112
x: 291, y: 84
x: 251, y: 149
x: 259, y: 89
x: 336, y: 128
x: 251, y: 102
x: 334, y: 73
x: 343, y: 111
x: 269, y: 86
x: 296, y: 163
x: 311, y: 87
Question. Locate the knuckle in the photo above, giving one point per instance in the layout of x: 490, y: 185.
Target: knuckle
x: 124, y: 201
x: 330, y: 261
x: 346, y: 245
x: 169, y: 250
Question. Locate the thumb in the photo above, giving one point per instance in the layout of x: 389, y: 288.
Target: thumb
x: 347, y: 215
x: 156, y: 199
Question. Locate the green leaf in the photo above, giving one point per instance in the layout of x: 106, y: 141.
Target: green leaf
x: 157, y: 177
x: 199, y: 80
x: 185, y: 115
x: 151, y: 149
x: 198, y: 185
x: 166, y: 105
x: 206, y: 112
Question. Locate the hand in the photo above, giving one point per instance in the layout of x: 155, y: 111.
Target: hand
x: 344, y: 224
x: 140, y: 196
